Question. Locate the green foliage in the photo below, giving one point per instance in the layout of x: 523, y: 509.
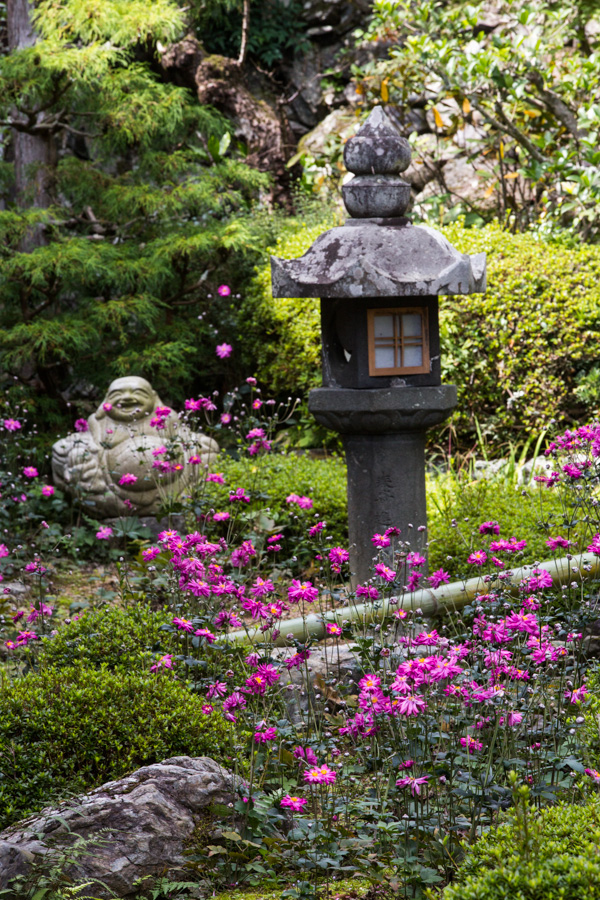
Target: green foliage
x: 66, y: 730
x: 120, y: 640
x: 519, y: 354
x: 516, y: 351
x: 279, y: 475
x: 458, y: 503
x: 522, y: 94
x: 115, y: 267
x: 562, y: 878
x: 284, y: 338
x: 537, y: 855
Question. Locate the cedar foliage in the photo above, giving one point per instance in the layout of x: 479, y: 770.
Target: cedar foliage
x: 149, y: 203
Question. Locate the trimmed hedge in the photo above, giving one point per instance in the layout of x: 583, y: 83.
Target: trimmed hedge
x: 113, y: 638
x: 554, y: 858
x: 284, y: 343
x: 522, y: 354
x: 67, y: 730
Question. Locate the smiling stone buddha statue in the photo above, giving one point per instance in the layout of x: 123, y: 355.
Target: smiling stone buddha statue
x: 124, y: 438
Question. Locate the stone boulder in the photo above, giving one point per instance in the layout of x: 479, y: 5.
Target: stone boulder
x: 142, y: 823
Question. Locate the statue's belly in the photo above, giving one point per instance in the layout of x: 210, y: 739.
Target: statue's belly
x: 133, y: 456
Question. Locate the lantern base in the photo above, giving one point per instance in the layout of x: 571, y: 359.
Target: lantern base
x: 383, y: 431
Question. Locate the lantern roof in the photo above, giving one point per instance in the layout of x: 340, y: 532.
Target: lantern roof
x: 378, y: 252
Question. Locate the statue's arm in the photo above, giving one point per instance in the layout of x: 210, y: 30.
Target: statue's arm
x: 76, y: 464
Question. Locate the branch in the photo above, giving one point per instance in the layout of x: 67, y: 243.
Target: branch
x: 87, y: 134
x: 556, y: 105
x: 42, y: 307
x: 245, y: 26
x: 505, y: 126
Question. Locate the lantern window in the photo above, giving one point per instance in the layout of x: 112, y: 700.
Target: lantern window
x: 398, y: 341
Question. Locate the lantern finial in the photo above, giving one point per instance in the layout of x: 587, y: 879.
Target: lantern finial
x: 376, y: 155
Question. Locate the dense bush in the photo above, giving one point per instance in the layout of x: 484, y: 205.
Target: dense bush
x: 120, y: 640
x: 278, y: 476
x: 66, y: 730
x: 562, y: 878
x: 522, y: 354
x: 284, y: 339
x: 456, y: 504
x: 545, y: 855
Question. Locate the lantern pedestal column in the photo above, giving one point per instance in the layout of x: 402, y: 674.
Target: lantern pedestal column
x: 383, y: 431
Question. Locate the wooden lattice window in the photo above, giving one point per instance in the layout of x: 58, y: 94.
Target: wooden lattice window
x: 398, y: 341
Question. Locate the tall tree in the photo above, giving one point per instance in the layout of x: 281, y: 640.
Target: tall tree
x: 33, y: 138
x: 129, y: 186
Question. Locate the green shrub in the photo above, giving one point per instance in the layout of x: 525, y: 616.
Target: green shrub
x: 562, y: 878
x: 66, y: 730
x: 550, y: 854
x: 521, y: 355
x: 275, y: 477
x: 450, y: 497
x: 284, y: 343
x: 458, y: 503
x: 112, y: 638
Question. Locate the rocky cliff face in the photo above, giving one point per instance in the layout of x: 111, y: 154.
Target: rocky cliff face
x: 273, y: 110
x: 307, y: 103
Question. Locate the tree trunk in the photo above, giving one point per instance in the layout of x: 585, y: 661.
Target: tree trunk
x: 245, y: 28
x: 34, y: 154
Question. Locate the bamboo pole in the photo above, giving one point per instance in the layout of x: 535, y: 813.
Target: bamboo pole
x: 431, y: 602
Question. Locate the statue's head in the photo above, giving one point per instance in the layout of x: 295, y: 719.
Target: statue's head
x: 128, y: 399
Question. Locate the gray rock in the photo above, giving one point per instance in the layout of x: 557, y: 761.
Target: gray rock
x: 142, y: 823
x: 325, y: 662
x: 340, y: 15
x: 341, y: 123
x: 465, y: 181
x: 16, y: 589
x: 540, y: 465
x: 489, y: 468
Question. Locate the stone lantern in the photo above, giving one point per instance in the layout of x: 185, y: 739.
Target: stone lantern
x: 379, y: 278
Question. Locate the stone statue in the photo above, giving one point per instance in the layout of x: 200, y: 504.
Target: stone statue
x: 132, y: 452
